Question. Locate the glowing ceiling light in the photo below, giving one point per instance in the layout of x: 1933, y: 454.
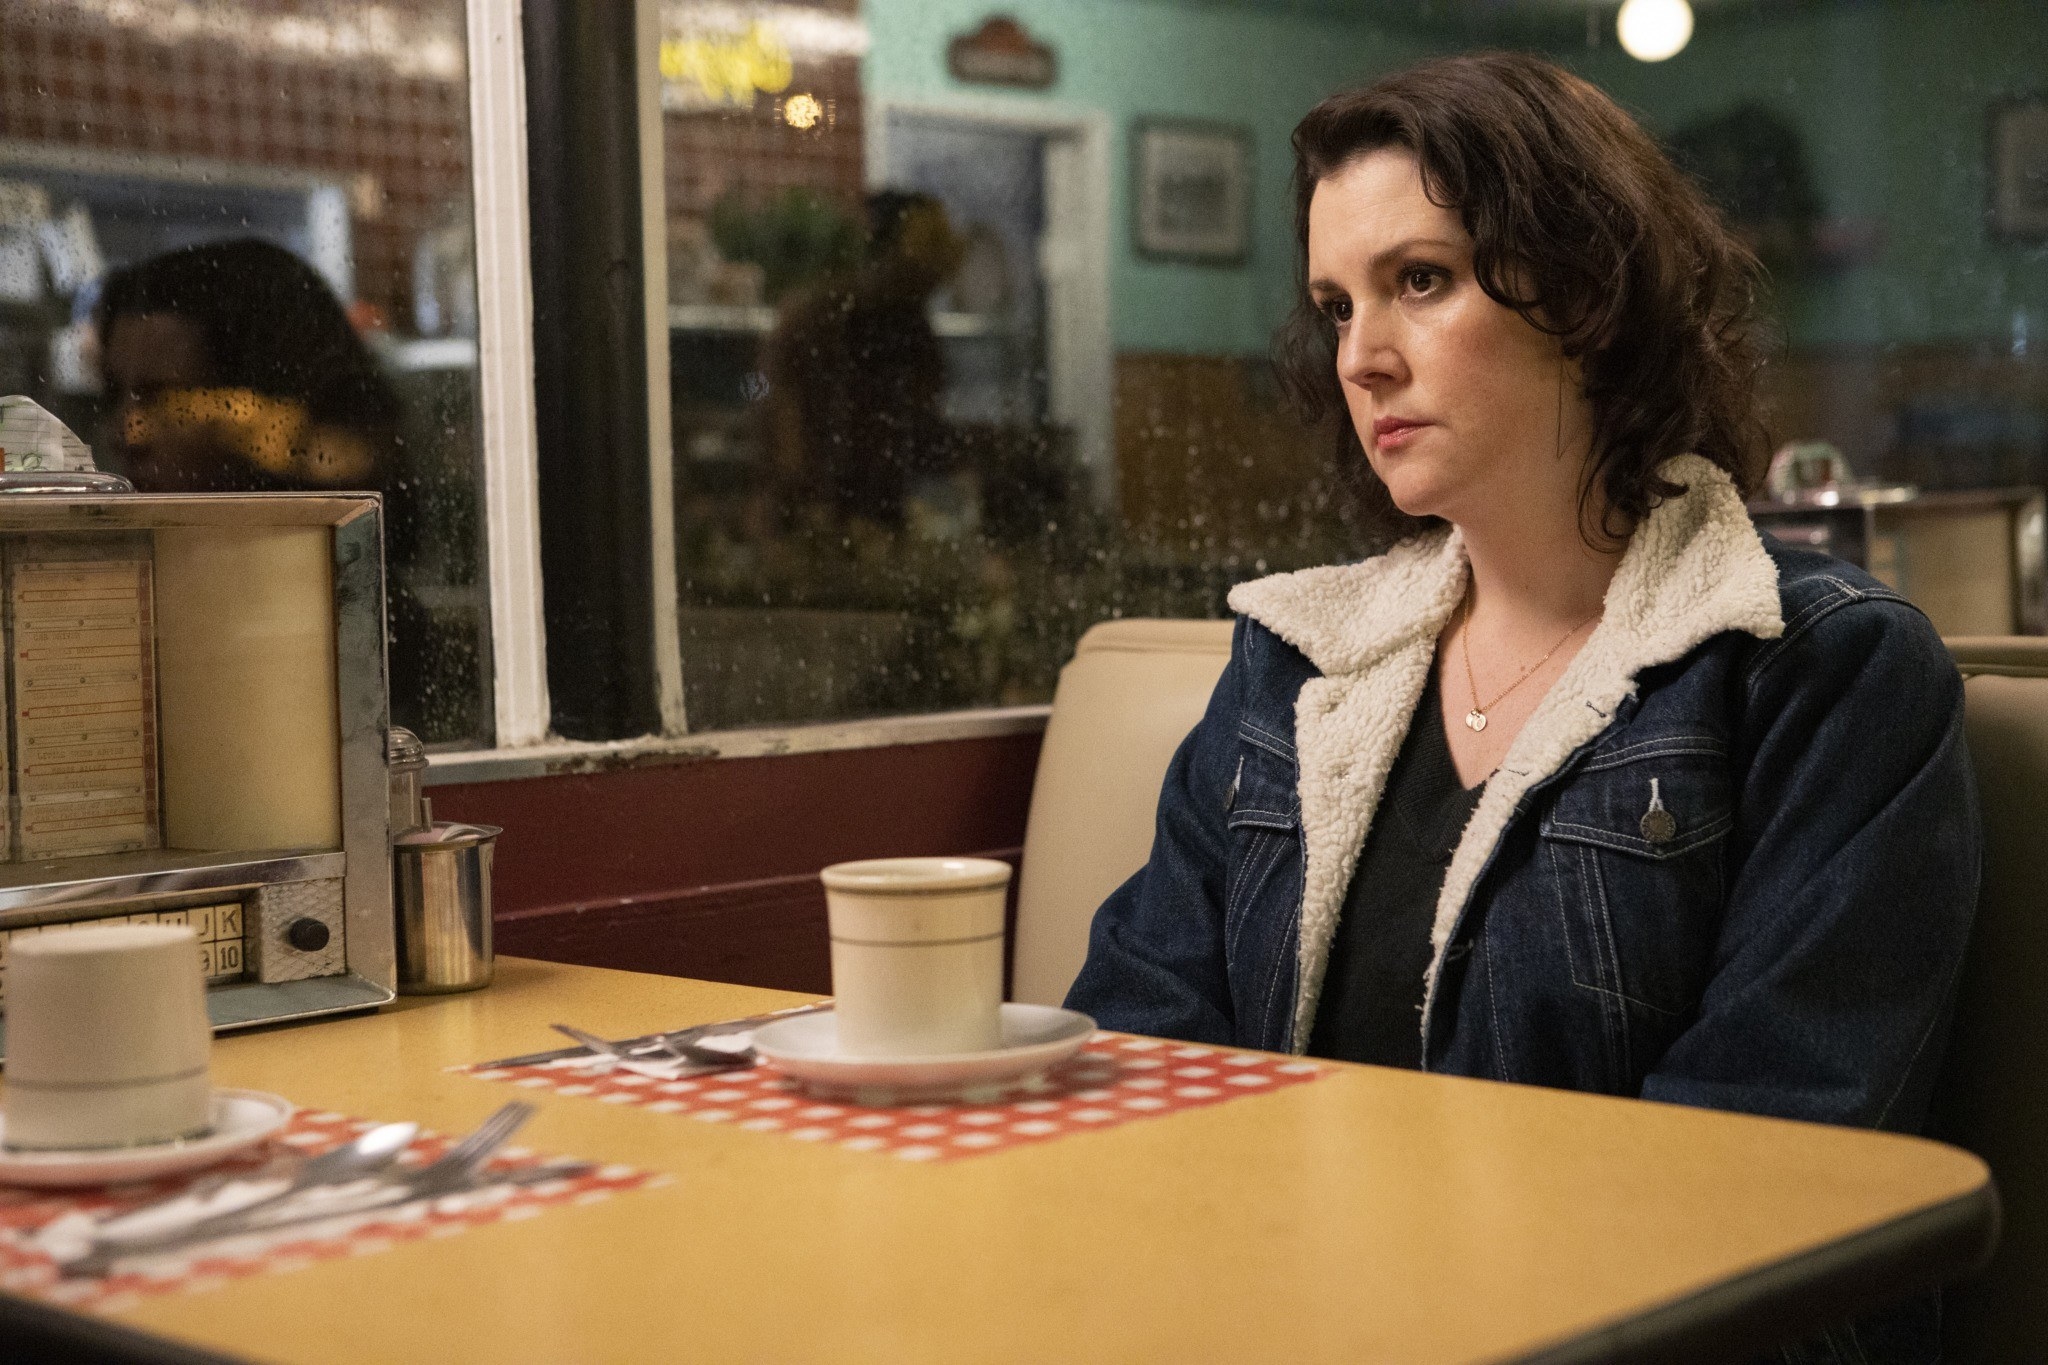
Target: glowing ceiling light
x: 802, y: 111
x: 1651, y: 30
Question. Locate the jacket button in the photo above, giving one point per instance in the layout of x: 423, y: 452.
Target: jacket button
x: 1659, y: 826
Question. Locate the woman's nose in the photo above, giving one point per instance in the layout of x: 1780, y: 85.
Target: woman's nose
x: 1369, y: 354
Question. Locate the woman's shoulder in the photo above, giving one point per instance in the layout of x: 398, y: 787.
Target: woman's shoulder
x: 1841, y: 619
x: 1809, y: 580
x: 1814, y: 588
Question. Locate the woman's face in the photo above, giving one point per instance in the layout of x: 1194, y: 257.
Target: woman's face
x: 143, y: 357
x: 1462, y: 405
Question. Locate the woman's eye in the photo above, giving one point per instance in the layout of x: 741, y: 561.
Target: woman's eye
x: 1337, y: 310
x: 1420, y: 279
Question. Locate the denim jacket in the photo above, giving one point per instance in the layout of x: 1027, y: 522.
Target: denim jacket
x: 1783, y: 939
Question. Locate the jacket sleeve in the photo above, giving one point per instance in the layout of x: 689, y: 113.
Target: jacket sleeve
x: 1155, y: 950
x: 1853, y: 879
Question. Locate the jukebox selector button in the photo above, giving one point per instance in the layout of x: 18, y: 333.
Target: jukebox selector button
x: 307, y: 935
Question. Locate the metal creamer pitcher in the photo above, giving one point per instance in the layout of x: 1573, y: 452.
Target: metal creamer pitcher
x: 443, y: 894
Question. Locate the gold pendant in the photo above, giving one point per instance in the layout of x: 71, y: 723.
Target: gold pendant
x: 1475, y: 720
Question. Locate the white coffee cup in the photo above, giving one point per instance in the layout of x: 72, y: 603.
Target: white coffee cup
x: 107, y: 1038
x: 917, y: 955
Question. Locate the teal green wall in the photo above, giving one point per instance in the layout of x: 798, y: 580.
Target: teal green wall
x: 1892, y: 96
x: 1157, y: 58
x: 1893, y: 99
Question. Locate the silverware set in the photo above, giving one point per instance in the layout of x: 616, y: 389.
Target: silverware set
x: 358, y: 1177
x: 367, y: 1174
x: 680, y: 1057
x: 695, y: 1047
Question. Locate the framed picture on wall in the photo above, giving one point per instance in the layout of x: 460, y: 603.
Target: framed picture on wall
x: 2019, y: 170
x: 1191, y: 191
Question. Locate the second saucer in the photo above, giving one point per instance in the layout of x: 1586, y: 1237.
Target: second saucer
x: 1035, y: 1037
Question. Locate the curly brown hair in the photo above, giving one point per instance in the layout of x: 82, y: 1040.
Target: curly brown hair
x: 1582, y: 225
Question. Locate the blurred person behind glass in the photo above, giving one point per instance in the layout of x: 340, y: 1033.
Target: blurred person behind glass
x: 232, y: 366
x: 856, y: 374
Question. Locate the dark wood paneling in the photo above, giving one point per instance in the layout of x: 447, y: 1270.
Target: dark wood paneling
x: 1214, y: 469
x: 765, y: 933
x: 709, y: 868
x: 1855, y: 396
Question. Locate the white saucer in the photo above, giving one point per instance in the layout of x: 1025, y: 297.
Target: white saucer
x: 1035, y: 1037
x: 241, y: 1118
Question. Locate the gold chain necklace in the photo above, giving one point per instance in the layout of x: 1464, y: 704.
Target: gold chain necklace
x: 1475, y: 719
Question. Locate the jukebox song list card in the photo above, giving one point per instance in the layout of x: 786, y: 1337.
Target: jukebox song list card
x: 83, y: 685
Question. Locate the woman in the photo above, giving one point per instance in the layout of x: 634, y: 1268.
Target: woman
x: 856, y: 376
x: 232, y: 367
x: 1581, y: 783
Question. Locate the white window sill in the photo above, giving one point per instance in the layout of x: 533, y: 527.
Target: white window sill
x: 560, y: 756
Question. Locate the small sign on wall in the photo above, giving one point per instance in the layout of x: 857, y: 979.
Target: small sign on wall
x: 1191, y: 191
x: 2019, y: 170
x: 1002, y: 52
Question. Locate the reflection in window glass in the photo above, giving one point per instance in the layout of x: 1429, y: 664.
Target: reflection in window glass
x: 969, y: 318
x: 235, y: 254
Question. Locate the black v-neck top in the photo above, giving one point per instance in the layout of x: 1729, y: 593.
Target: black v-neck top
x: 1371, y: 1004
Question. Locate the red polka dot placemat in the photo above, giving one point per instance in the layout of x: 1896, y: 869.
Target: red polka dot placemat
x: 1113, y: 1080
x: 29, y: 1219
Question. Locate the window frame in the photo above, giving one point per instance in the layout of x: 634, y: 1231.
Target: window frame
x: 505, y: 375
x: 524, y: 743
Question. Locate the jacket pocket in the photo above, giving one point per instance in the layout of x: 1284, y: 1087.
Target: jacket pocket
x: 1635, y: 842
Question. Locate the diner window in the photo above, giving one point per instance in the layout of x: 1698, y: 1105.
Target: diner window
x: 935, y: 410
x: 236, y: 254
x: 969, y: 310
x: 967, y: 313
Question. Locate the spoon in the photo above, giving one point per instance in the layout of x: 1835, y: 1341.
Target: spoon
x: 693, y: 1053
x: 369, y: 1153
x: 706, y: 1051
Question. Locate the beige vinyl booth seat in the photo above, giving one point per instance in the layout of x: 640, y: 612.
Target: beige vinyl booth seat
x: 1125, y: 701
x: 1135, y: 688
x: 1993, y: 1097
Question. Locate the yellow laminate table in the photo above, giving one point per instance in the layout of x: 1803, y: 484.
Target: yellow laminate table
x: 1373, y: 1215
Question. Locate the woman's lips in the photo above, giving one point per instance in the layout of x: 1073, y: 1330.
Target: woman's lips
x: 1391, y: 433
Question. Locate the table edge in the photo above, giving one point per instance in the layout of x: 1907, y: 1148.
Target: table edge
x: 34, y: 1330
x: 1773, y: 1304
x: 1751, y: 1313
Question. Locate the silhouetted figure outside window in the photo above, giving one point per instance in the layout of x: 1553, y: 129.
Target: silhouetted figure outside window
x: 856, y: 372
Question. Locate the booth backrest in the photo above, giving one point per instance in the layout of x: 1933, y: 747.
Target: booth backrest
x: 1135, y: 688
x: 1129, y: 696
x: 1993, y: 1097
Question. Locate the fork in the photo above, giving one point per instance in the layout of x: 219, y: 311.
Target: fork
x: 461, y: 1161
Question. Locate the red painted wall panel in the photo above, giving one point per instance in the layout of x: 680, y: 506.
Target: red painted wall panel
x: 708, y: 867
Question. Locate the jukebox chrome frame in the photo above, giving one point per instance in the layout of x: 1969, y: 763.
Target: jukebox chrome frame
x: 39, y: 895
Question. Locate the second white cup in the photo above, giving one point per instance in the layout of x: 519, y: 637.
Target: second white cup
x: 107, y: 1038
x: 917, y: 955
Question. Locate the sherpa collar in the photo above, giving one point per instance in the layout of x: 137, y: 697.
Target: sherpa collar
x: 1693, y: 569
